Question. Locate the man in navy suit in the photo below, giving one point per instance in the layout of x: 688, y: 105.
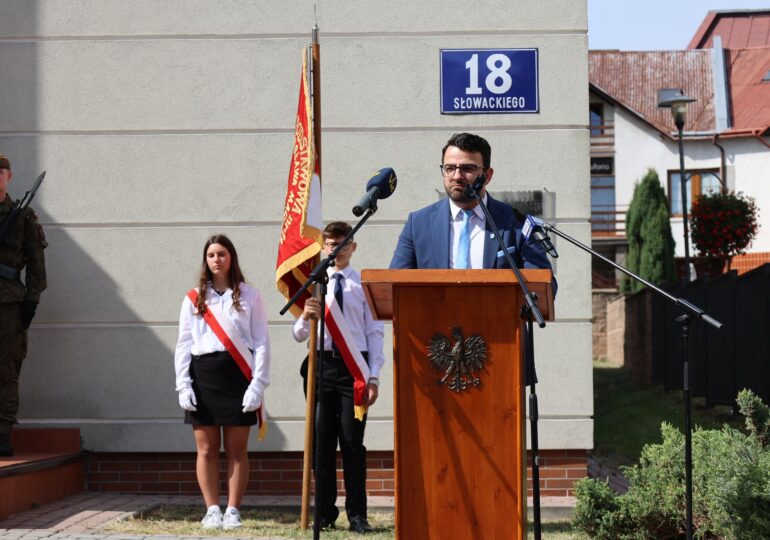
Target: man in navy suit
x: 432, y: 236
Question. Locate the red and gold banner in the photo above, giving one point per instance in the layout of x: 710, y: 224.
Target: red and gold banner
x: 302, y: 224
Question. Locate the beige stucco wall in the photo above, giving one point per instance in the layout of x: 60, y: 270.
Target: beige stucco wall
x: 161, y: 122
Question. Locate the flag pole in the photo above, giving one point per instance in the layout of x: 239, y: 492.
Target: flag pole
x: 307, y: 464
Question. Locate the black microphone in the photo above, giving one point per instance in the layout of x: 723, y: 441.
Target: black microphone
x: 380, y: 186
x: 534, y: 227
x: 475, y: 187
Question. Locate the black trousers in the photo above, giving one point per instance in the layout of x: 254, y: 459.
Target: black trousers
x: 13, y: 349
x: 337, y: 422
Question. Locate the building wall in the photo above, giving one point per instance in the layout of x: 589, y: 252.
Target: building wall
x: 161, y: 123
x: 749, y: 261
x: 748, y: 161
x: 616, y: 329
x: 603, y: 323
x: 280, y: 473
x: 639, y: 147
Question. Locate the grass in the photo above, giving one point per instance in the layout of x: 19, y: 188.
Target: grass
x: 558, y: 530
x: 184, y: 521
x: 627, y: 417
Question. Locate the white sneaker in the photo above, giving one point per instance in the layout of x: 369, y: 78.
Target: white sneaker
x: 232, y: 519
x: 213, y: 518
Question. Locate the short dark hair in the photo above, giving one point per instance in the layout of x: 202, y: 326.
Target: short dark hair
x: 335, y: 229
x: 470, y: 143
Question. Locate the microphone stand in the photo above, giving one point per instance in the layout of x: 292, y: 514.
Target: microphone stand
x: 528, y: 311
x: 689, y: 311
x: 320, y: 276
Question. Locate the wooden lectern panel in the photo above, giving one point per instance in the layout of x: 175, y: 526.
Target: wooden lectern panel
x: 378, y: 285
x: 460, y: 460
x: 459, y: 457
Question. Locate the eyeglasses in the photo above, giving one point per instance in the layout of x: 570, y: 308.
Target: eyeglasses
x: 333, y: 245
x: 466, y: 169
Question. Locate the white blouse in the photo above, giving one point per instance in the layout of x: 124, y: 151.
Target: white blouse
x: 195, y: 336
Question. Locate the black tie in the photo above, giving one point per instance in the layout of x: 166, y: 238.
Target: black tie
x: 338, y: 289
x: 338, y: 277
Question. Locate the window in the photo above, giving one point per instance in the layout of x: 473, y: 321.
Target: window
x: 698, y: 183
x: 603, y: 203
x: 596, y: 118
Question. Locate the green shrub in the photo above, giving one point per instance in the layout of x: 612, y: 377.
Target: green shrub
x: 731, y: 486
x: 598, y: 512
x: 757, y: 416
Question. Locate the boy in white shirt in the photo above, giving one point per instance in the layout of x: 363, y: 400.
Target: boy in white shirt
x: 337, y: 420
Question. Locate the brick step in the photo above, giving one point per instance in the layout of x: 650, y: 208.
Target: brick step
x: 48, y: 464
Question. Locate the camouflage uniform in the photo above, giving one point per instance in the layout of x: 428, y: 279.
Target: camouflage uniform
x: 23, y: 249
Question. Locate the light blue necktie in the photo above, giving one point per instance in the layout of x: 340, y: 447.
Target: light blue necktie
x: 464, y: 242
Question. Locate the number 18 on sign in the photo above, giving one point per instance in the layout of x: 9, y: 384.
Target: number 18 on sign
x: 489, y: 81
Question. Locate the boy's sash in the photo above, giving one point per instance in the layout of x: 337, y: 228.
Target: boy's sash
x: 223, y: 328
x: 354, y: 360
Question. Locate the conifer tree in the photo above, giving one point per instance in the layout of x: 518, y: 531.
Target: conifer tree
x: 648, y: 228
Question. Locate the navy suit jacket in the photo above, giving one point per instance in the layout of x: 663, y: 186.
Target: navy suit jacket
x: 424, y: 242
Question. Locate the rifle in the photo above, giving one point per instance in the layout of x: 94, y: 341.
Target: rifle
x: 8, y: 272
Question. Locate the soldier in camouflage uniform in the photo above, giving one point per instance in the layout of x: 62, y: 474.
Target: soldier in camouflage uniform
x: 22, y: 248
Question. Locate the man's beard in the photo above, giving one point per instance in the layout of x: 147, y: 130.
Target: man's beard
x: 458, y: 197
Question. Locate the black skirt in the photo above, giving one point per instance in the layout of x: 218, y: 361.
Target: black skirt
x: 219, y: 385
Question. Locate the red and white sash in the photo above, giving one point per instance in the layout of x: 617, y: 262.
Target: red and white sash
x: 354, y: 360
x: 223, y: 328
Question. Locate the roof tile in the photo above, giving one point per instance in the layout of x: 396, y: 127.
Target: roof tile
x: 749, y: 96
x: 633, y: 78
x: 739, y: 29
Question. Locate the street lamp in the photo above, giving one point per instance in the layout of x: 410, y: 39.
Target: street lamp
x: 677, y: 102
x: 674, y: 99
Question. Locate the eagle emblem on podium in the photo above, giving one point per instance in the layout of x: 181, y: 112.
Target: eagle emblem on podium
x: 460, y: 361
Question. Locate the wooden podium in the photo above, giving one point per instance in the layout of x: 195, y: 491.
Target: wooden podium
x: 460, y: 456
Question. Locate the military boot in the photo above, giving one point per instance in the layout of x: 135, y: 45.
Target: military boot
x: 6, y: 450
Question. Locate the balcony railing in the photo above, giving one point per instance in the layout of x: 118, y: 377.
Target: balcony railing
x: 602, y: 138
x: 608, y: 222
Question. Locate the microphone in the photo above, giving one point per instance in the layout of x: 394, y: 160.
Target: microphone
x: 472, y: 189
x: 380, y: 186
x: 534, y: 227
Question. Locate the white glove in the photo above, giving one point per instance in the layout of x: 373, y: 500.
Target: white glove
x: 252, y: 399
x: 187, y: 399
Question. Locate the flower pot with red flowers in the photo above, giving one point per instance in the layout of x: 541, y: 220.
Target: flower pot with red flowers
x: 723, y: 224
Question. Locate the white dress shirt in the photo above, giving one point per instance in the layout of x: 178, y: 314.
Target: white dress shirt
x: 478, y: 224
x: 195, y: 336
x: 367, y: 332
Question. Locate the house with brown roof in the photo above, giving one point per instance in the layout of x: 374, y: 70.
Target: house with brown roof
x: 726, y: 135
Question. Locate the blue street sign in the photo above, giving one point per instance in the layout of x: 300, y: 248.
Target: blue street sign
x: 486, y: 81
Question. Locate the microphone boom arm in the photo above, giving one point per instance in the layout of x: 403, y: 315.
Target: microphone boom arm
x: 681, y: 302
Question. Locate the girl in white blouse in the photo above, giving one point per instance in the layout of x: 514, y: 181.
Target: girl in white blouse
x: 220, y: 389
